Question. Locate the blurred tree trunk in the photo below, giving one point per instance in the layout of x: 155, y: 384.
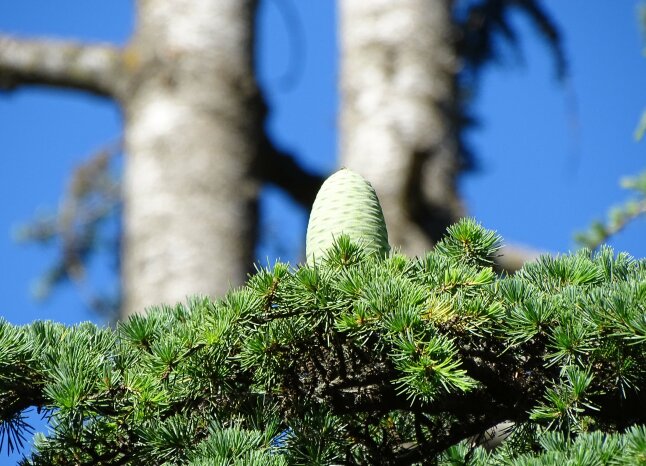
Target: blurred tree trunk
x: 398, y: 112
x: 191, y: 132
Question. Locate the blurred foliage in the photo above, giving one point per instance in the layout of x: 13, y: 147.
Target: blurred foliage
x: 485, y: 26
x: 641, y: 127
x: 82, y: 227
x: 621, y: 216
x: 483, y: 29
x: 358, y: 359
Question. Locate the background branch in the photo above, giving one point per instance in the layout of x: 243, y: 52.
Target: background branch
x: 283, y: 170
x: 93, y: 68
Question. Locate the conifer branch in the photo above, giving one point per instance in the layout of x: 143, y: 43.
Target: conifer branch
x: 371, y: 361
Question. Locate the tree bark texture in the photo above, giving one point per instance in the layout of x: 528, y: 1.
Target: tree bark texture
x: 192, y: 137
x: 398, y: 128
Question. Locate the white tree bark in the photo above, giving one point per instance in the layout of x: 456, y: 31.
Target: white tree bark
x: 191, y: 135
x: 95, y: 68
x: 398, y: 69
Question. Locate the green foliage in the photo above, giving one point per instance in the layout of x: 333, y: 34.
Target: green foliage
x: 555, y: 448
x: 357, y: 359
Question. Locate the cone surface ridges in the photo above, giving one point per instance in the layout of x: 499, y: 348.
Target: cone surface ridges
x: 346, y: 204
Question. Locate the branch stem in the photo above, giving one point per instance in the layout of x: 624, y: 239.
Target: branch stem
x: 95, y: 68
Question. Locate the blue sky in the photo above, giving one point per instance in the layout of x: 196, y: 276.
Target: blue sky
x: 550, y: 154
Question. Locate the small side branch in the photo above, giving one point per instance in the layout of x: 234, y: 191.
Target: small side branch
x: 93, y: 68
x: 282, y: 169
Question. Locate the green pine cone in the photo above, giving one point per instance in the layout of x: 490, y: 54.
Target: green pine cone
x: 346, y: 204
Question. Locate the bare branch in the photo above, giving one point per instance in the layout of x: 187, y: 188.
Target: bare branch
x: 282, y: 169
x: 93, y: 68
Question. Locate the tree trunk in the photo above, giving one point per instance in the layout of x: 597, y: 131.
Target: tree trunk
x: 398, y: 128
x: 191, y: 132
